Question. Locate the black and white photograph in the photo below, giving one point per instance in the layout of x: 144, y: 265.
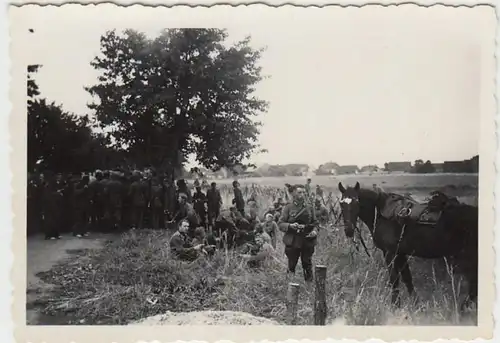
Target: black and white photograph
x: 256, y: 165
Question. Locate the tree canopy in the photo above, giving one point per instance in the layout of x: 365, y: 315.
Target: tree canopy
x: 183, y: 92
x: 60, y: 141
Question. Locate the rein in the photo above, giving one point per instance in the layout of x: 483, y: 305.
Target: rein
x: 362, y: 241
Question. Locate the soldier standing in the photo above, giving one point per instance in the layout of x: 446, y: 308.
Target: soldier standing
x: 115, y: 201
x: 138, y: 198
x: 214, y: 203
x: 200, y: 200
x: 96, y: 193
x: 34, y: 203
x: 321, y: 212
x: 238, y: 201
x: 52, y: 203
x: 157, y: 198
x: 81, y: 207
x: 298, y: 222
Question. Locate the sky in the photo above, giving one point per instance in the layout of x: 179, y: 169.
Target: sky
x: 351, y: 85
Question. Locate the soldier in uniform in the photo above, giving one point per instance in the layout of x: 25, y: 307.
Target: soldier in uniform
x: 214, y: 203
x: 238, y: 201
x: 81, y: 207
x: 34, y: 204
x: 96, y: 194
x: 321, y: 212
x: 52, y: 204
x: 181, y: 245
x: 186, y: 212
x: 138, y: 199
x: 157, y: 206
x: 182, y: 187
x: 319, y: 191
x: 200, y: 201
x: 308, y: 188
x: 298, y: 222
x: 116, y: 193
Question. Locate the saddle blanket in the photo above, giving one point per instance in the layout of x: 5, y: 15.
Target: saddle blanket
x: 399, y: 207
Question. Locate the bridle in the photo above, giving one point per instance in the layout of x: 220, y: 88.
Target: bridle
x: 358, y: 231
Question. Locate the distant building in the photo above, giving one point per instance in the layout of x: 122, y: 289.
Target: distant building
x: 351, y: 169
x: 456, y: 167
x: 465, y: 166
x: 328, y: 168
x: 369, y: 169
x: 438, y: 167
x: 398, y: 167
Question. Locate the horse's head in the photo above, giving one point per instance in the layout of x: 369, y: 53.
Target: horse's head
x: 349, y: 204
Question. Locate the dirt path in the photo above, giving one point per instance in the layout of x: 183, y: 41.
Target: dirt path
x: 42, y: 256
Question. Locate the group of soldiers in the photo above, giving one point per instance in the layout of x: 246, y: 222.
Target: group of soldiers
x: 299, y: 219
x: 111, y: 201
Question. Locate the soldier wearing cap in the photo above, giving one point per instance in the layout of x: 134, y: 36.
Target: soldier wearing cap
x: 138, y: 195
x: 238, y: 201
x: 156, y: 201
x: 214, y: 203
x: 186, y: 211
x: 200, y: 201
x: 298, y: 222
x: 96, y: 195
x: 81, y: 207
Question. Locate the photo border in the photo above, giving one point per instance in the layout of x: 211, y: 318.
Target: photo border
x: 24, y: 333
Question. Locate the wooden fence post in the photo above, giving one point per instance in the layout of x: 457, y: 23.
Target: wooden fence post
x: 320, y: 296
x: 292, y: 300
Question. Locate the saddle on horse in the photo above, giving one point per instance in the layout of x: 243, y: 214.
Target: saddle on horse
x: 403, y: 208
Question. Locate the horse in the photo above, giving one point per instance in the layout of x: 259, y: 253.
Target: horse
x: 453, y: 233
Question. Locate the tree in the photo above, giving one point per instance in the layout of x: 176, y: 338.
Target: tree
x: 184, y: 92
x: 60, y: 141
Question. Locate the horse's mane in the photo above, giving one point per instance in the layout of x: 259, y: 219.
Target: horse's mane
x: 372, y: 195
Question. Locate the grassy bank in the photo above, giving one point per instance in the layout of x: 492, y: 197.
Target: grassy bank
x: 133, y: 277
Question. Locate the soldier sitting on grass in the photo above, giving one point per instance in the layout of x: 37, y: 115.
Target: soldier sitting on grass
x: 209, y: 242
x: 271, y: 228
x: 261, y: 253
x: 181, y: 245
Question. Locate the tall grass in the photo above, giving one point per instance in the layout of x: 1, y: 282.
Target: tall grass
x: 133, y: 277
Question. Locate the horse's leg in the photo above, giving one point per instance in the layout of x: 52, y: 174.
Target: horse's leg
x: 393, y: 277
x: 404, y: 269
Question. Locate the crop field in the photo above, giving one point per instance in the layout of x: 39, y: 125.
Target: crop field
x: 132, y: 277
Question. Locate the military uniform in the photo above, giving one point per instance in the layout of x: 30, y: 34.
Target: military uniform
x: 81, y: 207
x: 181, y: 247
x: 116, y: 193
x: 239, y: 203
x: 297, y: 245
x: 138, y: 199
x: 321, y: 213
x: 34, y: 204
x: 200, y: 199
x: 214, y: 202
x: 52, y: 204
x: 156, y: 201
x: 96, y: 194
x: 186, y: 211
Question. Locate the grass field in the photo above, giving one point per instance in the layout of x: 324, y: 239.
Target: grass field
x: 133, y: 276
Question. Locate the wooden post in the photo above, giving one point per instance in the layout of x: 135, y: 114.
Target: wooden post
x: 292, y: 301
x: 320, y: 296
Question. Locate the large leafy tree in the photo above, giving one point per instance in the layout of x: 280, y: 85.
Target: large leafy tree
x: 184, y: 92
x: 60, y: 141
